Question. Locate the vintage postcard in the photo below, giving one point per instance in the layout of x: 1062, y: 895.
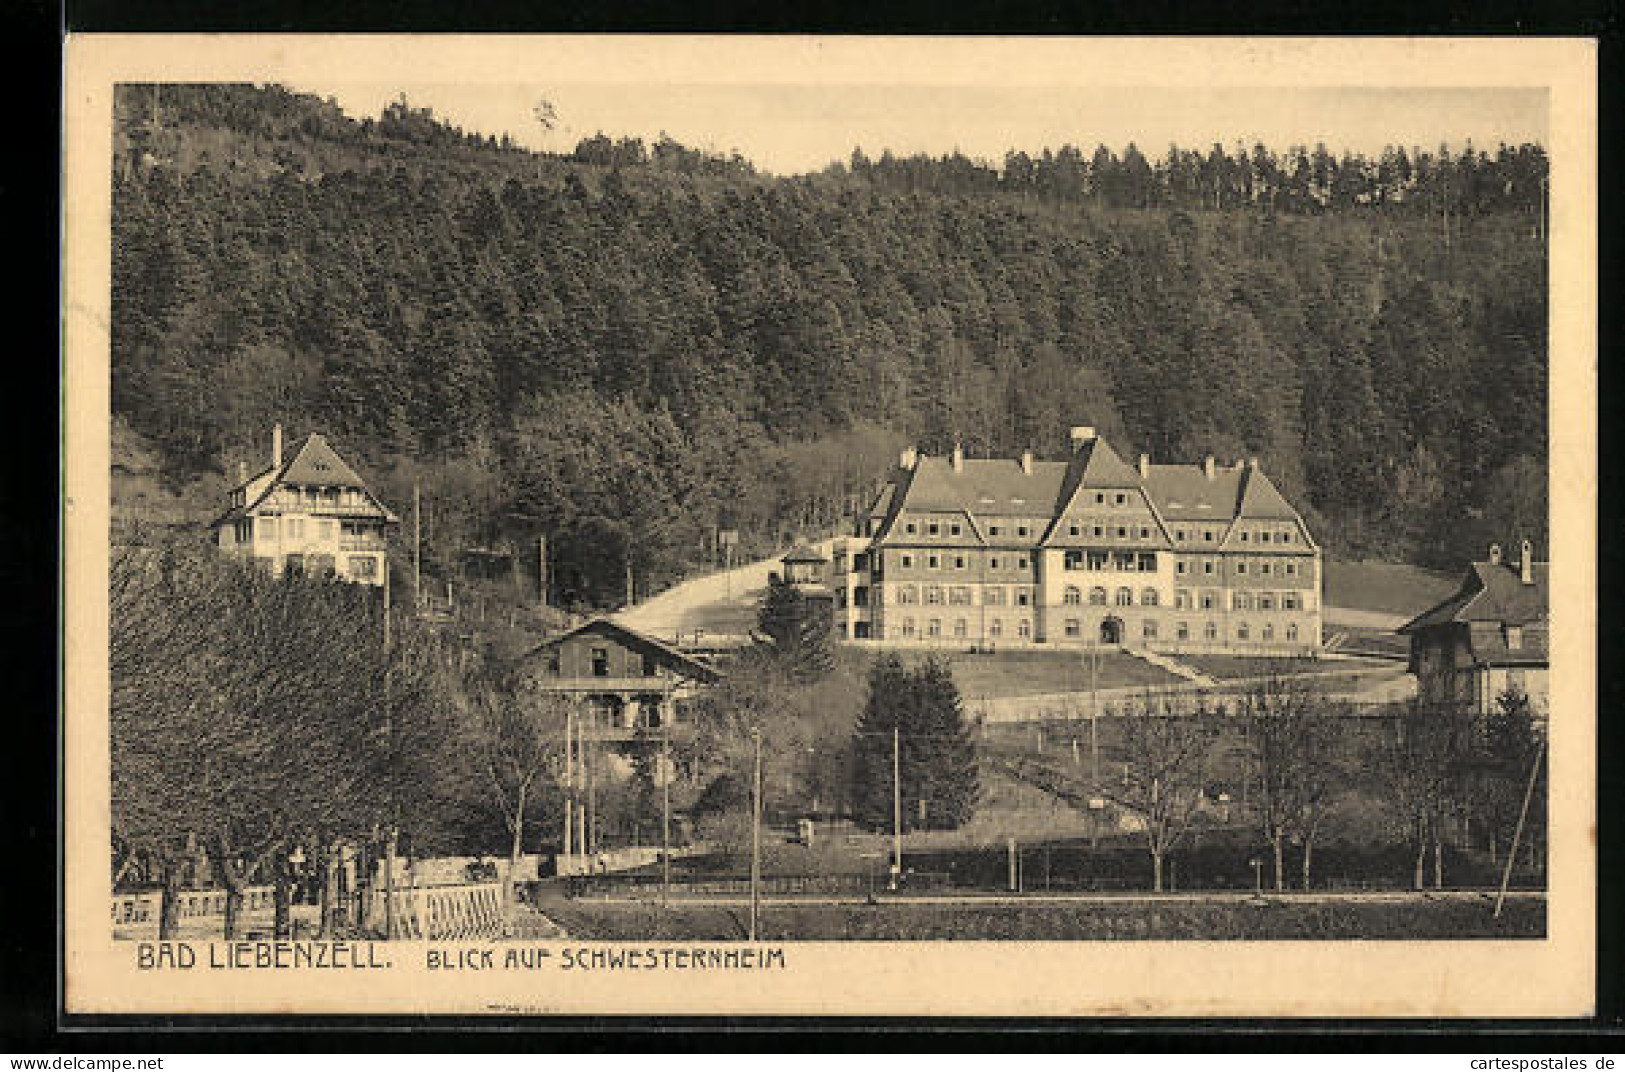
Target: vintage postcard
x: 700, y: 525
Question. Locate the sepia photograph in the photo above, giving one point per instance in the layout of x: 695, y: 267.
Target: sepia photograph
x: 538, y: 527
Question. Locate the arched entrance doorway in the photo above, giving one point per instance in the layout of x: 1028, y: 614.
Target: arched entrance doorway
x: 1111, y: 631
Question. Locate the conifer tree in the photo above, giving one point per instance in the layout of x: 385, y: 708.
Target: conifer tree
x: 795, y: 631
x: 936, y: 754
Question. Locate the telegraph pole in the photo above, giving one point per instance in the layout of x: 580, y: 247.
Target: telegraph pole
x: 896, y: 805
x: 756, y: 837
x: 1094, y: 716
x: 417, y: 544
x: 569, y: 778
x: 665, y: 814
x: 1517, y: 833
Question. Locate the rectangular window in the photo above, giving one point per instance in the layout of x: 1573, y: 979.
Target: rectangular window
x: 993, y: 530
x: 1073, y: 530
x: 959, y: 562
x: 1098, y: 560
x: 650, y: 669
x: 932, y: 561
x: 1072, y: 627
x: 993, y: 597
x: 1021, y: 530
x: 1266, y: 601
x: 908, y: 561
x: 364, y: 569
x: 1148, y: 563
x: 934, y: 628
x: 959, y: 627
x: 1121, y: 498
x: 1179, y: 568
x: 933, y: 595
x: 1207, y: 534
x: 1243, y: 535
x: 1021, y: 597
x: 1182, y: 598
x: 908, y: 627
x: 907, y: 594
x: 1145, y: 532
x: 1073, y: 560
x: 1207, y: 566
x: 1122, y: 532
x: 932, y: 529
x: 1024, y: 628
x: 992, y: 563
x: 1211, y: 631
x: 1241, y: 569
x: 1264, y: 569
x: 911, y: 528
x: 1289, y: 601
x: 1021, y: 562
x: 1207, y: 600
x: 1099, y: 531
x: 995, y: 628
x: 600, y: 662
x: 1183, y: 632
x: 959, y: 596
x: 1100, y: 498
x: 1179, y: 534
x: 953, y: 530
x: 1240, y: 602
x: 1149, y: 629
x: 1291, y: 569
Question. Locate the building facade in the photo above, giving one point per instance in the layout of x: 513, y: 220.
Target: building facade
x: 1490, y: 637
x: 310, y: 514
x: 995, y: 553
x: 630, y: 680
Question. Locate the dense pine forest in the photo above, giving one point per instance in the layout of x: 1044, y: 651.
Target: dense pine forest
x: 628, y: 346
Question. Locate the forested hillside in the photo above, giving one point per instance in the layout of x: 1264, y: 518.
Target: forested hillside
x: 628, y: 346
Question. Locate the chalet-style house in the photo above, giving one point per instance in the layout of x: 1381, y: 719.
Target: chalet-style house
x: 631, y: 679
x: 311, y: 513
x: 1004, y: 553
x: 1491, y: 636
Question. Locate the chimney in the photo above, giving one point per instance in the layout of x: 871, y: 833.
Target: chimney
x: 1495, y: 554
x: 959, y: 459
x: 242, y: 472
x: 1252, y: 463
x: 1526, y: 565
x: 1145, y: 467
x: 1027, y: 462
x: 1079, y: 434
x: 1207, y: 466
x: 907, y: 459
x: 276, y: 446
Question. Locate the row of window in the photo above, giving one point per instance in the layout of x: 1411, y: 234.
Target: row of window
x: 1241, y: 566
x: 1073, y: 596
x: 1209, y: 600
x: 956, y: 595
x: 1121, y: 561
x: 1077, y: 528
x: 1073, y: 629
x: 960, y: 562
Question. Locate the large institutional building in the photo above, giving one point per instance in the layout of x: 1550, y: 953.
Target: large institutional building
x: 310, y: 513
x: 1009, y: 553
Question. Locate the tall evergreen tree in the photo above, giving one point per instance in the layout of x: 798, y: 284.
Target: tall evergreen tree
x: 913, y: 718
x: 796, y: 631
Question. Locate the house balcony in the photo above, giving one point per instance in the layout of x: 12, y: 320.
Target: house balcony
x: 361, y: 543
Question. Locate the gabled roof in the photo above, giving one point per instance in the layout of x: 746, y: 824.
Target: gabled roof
x: 685, y: 663
x: 1095, y: 465
x: 1261, y: 499
x: 315, y: 462
x: 1491, y: 593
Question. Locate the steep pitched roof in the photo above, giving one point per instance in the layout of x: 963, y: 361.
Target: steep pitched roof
x: 632, y: 638
x: 1184, y: 492
x: 1261, y: 499
x: 315, y: 462
x: 1491, y: 593
x: 985, y: 486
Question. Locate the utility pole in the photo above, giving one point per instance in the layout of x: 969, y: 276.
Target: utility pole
x: 569, y: 779
x: 386, y: 602
x: 417, y: 544
x: 1517, y: 832
x: 541, y: 569
x: 665, y: 814
x: 756, y: 837
x: 896, y: 805
x: 1094, y: 715
x: 581, y: 784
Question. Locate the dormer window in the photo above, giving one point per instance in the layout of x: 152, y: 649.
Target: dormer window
x: 911, y: 528
x: 993, y: 530
x: 1121, y: 498
x: 932, y: 528
x: 1100, y: 498
x: 953, y: 530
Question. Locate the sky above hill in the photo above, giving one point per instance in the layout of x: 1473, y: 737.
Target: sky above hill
x: 791, y: 127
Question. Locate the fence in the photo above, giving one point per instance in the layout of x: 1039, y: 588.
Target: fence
x: 440, y: 913
x: 739, y: 886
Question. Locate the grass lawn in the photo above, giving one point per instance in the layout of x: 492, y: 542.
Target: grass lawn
x: 1386, y: 587
x: 1029, y: 673
x: 1039, y: 920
